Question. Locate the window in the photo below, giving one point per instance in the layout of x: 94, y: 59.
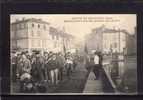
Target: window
x: 12, y: 27
x: 55, y: 45
x: 44, y: 27
x: 38, y: 33
x: 19, y: 26
x: 32, y: 33
x: 32, y: 42
x: 32, y: 25
x: 25, y: 25
x: 38, y: 26
x: 115, y: 45
x: 44, y: 43
x: 111, y: 46
x: 57, y: 37
x: 53, y: 37
x: 22, y: 25
x: 38, y: 44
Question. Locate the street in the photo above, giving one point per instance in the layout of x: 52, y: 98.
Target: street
x: 82, y: 81
x: 44, y: 57
x: 75, y: 84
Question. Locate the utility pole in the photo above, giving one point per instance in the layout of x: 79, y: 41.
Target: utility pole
x: 64, y: 48
x: 119, y: 40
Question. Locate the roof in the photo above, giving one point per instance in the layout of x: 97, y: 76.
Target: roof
x: 30, y: 19
x: 108, y: 30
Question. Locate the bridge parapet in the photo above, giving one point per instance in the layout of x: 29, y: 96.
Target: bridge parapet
x: 108, y: 84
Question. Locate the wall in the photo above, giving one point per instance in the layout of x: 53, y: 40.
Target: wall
x: 36, y: 35
x: 102, y: 40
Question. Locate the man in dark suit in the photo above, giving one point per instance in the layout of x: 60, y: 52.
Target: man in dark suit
x: 38, y: 67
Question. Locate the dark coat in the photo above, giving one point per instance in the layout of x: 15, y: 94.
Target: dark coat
x: 39, y: 62
x: 91, y: 61
x: 37, y: 68
x: 100, y: 59
x: 51, y: 64
x: 60, y: 61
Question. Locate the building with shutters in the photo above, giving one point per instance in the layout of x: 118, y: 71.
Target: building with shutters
x: 36, y: 34
x: 107, y: 40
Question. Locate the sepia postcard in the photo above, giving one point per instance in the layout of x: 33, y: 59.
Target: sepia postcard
x: 73, y: 54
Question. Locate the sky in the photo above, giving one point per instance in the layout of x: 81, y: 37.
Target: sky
x: 81, y: 24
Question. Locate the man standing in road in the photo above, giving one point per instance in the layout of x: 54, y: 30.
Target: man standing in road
x: 96, y: 65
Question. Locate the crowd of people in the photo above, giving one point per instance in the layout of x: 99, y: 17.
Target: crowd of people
x: 48, y: 67
x: 36, y: 68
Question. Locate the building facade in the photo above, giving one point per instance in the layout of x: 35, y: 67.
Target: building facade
x: 106, y: 40
x: 132, y: 44
x: 94, y: 40
x: 36, y: 34
x: 61, y: 39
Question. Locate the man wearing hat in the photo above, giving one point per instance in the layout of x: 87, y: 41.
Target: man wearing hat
x: 38, y: 67
x: 52, y: 68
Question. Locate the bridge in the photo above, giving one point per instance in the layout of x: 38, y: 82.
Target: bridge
x: 104, y: 85
x: 107, y: 84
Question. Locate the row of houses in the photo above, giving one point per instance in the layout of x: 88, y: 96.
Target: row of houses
x: 36, y: 34
x: 111, y: 40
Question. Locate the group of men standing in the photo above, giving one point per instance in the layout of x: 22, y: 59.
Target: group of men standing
x: 50, y: 66
x: 41, y: 67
